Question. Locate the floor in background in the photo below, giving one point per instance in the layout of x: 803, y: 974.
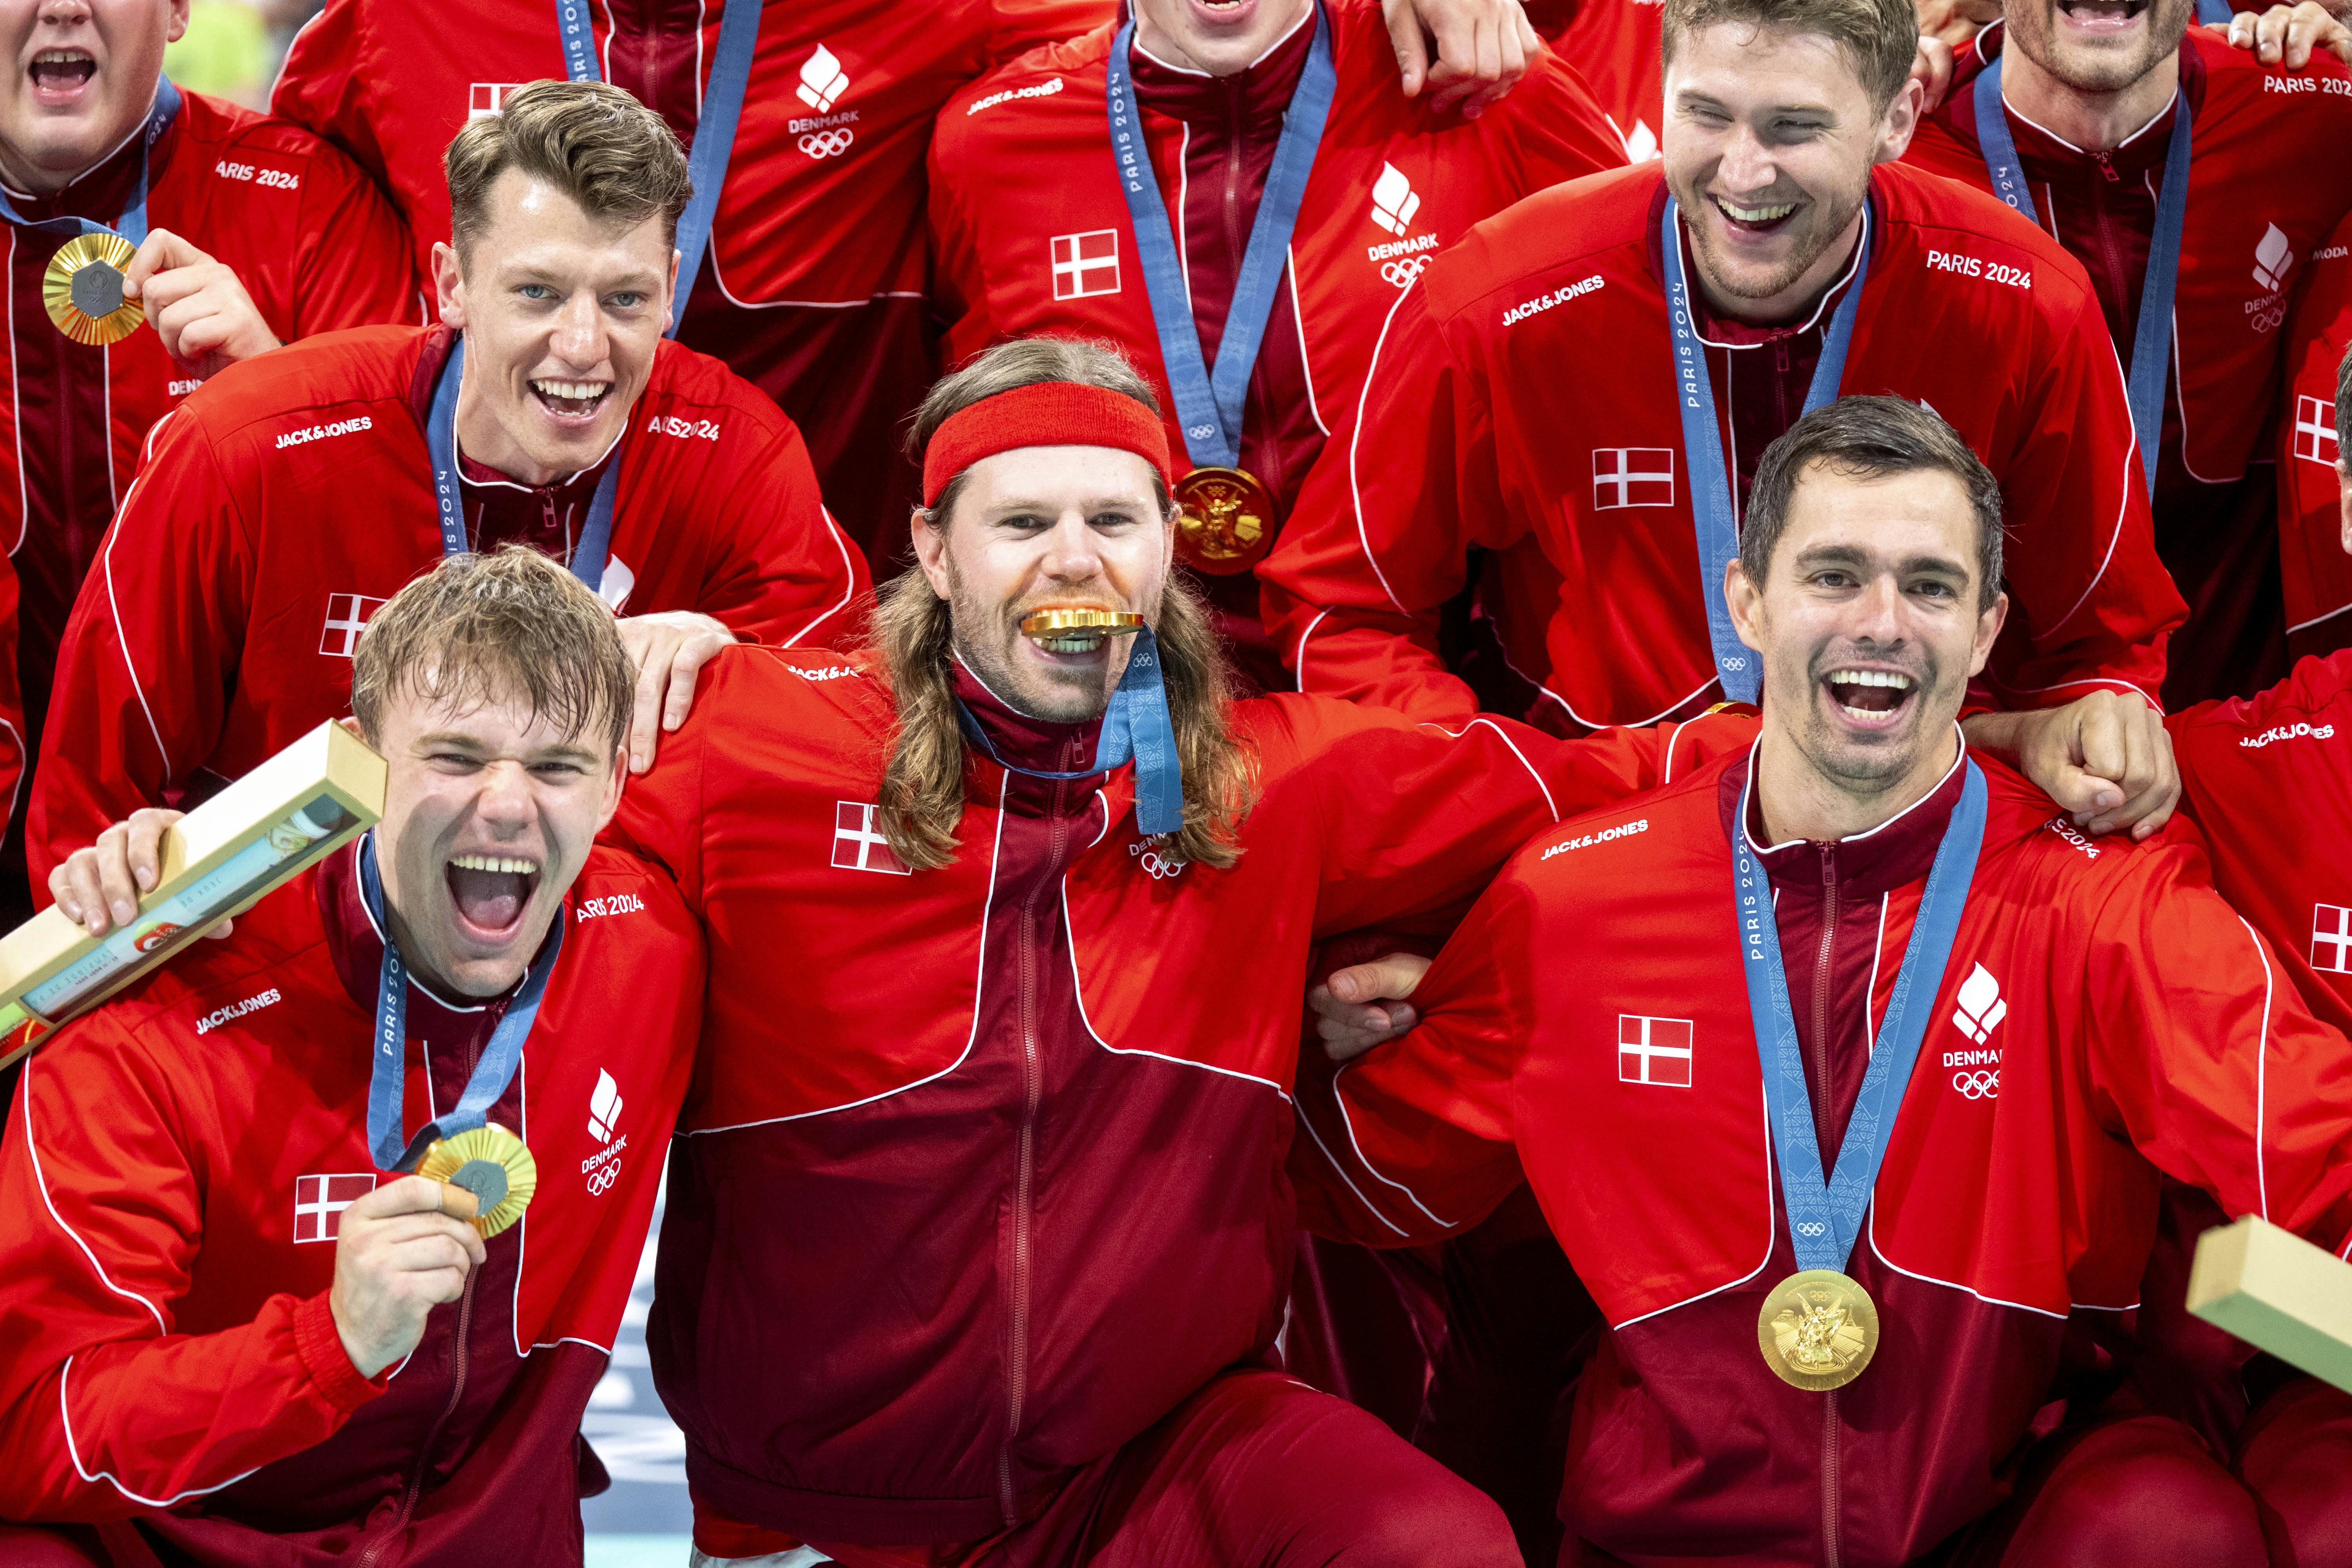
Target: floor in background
x: 645, y: 1521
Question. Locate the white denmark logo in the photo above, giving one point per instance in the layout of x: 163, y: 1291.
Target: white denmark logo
x: 823, y: 81
x: 1086, y: 263
x: 487, y: 100
x: 2331, y: 931
x: 1654, y: 1050
x: 857, y: 846
x: 1393, y: 200
x: 2315, y: 431
x: 1980, y: 1009
x: 347, y: 616
x: 319, y: 1202
x: 2272, y: 257
x: 604, y: 1108
x: 614, y: 586
x: 1633, y: 476
x: 1641, y: 142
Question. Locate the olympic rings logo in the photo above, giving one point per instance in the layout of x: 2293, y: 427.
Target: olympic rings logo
x: 1811, y: 1227
x: 827, y: 144
x: 1399, y: 273
x: 1978, y: 1085
x: 1157, y: 863
x: 602, y: 1178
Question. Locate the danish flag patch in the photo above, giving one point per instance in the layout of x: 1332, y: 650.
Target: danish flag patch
x: 1086, y: 263
x: 1654, y: 1050
x: 2331, y: 938
x: 858, y: 845
x: 347, y: 616
x: 1633, y: 476
x: 319, y: 1202
x: 2315, y: 431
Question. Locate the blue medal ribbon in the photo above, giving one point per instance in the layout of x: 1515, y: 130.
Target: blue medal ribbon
x: 1712, y: 514
x: 2152, y: 334
x: 2214, y: 13
x: 1825, y: 1215
x: 388, y: 1073
x: 714, y: 131
x: 132, y: 225
x: 594, y: 544
x: 1209, y: 406
x: 1136, y: 726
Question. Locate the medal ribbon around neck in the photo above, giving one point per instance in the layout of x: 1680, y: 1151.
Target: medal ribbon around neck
x: 595, y: 542
x: 1137, y: 725
x: 714, y: 130
x: 1825, y: 1216
x: 2152, y: 335
x: 1209, y: 404
x: 1712, y: 514
x: 389, y: 1071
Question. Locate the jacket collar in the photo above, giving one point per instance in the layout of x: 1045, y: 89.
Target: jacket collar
x: 1039, y: 745
x: 1728, y: 331
x: 1253, y: 99
x: 1897, y: 852
x: 2050, y: 158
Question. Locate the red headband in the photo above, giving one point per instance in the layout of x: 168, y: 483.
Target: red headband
x: 1042, y: 414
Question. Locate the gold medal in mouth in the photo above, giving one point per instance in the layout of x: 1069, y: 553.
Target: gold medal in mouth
x: 1078, y: 631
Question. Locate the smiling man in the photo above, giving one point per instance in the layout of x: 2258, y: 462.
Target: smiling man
x: 273, y: 514
x: 1008, y: 1166
x: 1975, y: 1037
x: 249, y: 232
x: 237, y: 1333
x: 2196, y: 185
x: 1592, y: 377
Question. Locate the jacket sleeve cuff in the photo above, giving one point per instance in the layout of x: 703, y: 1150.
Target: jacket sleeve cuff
x: 320, y: 1345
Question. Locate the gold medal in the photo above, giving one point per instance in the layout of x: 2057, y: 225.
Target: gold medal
x: 83, y: 289
x: 1079, y: 631
x: 489, y: 1165
x: 1817, y: 1329
x: 1227, y: 523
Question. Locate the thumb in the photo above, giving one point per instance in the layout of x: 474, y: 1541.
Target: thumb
x: 160, y: 251
x: 1392, y: 978
x: 1412, y: 52
x: 2079, y: 790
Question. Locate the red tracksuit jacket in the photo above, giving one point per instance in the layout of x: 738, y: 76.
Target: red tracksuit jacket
x: 173, y: 1169
x: 1524, y: 391
x: 814, y: 290
x: 1023, y: 171
x: 2268, y: 781
x: 1006, y: 1162
x: 285, y: 504
x: 2267, y: 181
x: 1620, y: 47
x: 313, y: 243
x: 2104, y: 1017
x: 2317, y: 569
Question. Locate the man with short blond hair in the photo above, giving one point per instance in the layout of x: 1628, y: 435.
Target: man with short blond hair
x: 546, y: 410
x: 239, y: 1331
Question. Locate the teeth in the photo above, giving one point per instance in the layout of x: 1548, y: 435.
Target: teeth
x: 1885, y: 677
x: 60, y: 58
x: 494, y: 863
x: 1069, y: 644
x: 1756, y: 215
x: 583, y: 391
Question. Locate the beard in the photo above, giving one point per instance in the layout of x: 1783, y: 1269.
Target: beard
x: 2090, y: 69
x: 986, y: 638
x: 1825, y: 224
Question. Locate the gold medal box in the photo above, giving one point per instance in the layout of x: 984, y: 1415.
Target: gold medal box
x: 291, y: 812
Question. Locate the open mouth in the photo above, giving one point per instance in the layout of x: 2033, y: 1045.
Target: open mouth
x: 572, y: 400
x: 2102, y: 16
x: 61, y: 74
x: 490, y: 892
x: 1077, y: 630
x: 1873, y: 697
x: 1759, y: 219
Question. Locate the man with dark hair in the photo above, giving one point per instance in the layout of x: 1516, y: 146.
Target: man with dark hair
x: 238, y: 1332
x: 546, y: 410
x: 1293, y: 195
x: 1007, y: 1168
x: 2315, y: 441
x: 241, y: 232
x: 2193, y: 182
x: 1831, y: 1326
x: 1593, y: 375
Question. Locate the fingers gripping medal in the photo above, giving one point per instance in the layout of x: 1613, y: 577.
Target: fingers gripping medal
x: 83, y: 289
x: 488, y: 1176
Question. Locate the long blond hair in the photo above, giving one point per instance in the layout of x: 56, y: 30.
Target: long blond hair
x: 923, y: 782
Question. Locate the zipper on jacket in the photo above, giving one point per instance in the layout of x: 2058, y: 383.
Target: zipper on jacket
x: 1032, y: 1089
x: 1832, y: 1553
